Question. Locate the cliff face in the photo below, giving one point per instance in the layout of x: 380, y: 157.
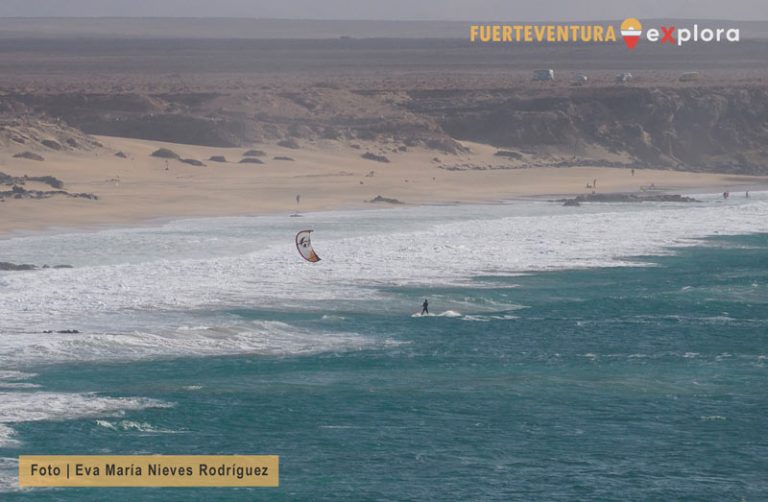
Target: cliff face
x: 707, y: 128
x: 697, y: 128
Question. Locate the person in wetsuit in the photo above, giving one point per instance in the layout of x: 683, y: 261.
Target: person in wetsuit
x: 425, y: 307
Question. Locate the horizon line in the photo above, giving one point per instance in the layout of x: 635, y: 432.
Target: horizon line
x: 248, y: 18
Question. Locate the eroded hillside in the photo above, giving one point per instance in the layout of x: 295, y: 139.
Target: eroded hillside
x: 698, y: 128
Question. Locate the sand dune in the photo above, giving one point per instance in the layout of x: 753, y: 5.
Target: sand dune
x: 327, y: 175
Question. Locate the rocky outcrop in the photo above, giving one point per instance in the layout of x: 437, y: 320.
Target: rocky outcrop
x: 289, y: 143
x: 165, y: 153
x: 387, y: 200
x: 254, y: 153
x: 193, y: 162
x: 626, y: 197
x: 13, y: 267
x: 17, y: 192
x: 29, y: 156
x: 377, y: 158
x: 7, y: 179
x: 700, y: 129
x: 21, y: 126
x: 692, y: 127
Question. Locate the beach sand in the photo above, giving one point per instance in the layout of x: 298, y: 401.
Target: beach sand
x: 327, y: 176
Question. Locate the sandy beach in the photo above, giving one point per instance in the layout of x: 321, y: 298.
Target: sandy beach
x: 326, y: 175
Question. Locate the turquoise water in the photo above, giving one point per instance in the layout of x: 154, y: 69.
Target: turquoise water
x: 609, y: 383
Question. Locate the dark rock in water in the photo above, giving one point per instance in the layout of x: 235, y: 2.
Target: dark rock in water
x: 29, y: 155
x: 627, y: 197
x: 254, y: 153
x: 15, y: 268
x: 289, y: 143
x: 63, y: 331
x: 571, y: 202
x: 49, y: 143
x: 251, y: 160
x: 121, y: 155
x: 280, y: 157
x: 217, y: 158
x: 388, y: 200
x: 373, y: 156
x: 26, y: 266
x: 165, y: 153
x: 192, y: 162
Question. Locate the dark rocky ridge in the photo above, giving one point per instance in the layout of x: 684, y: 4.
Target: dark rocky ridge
x: 721, y: 129
x: 626, y: 197
x: 7, y: 179
x: 697, y: 128
x: 17, y: 192
x: 18, y: 267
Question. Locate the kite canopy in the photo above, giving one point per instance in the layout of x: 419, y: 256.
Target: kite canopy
x: 304, y: 245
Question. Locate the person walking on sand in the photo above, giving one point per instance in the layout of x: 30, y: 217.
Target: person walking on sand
x: 425, y: 307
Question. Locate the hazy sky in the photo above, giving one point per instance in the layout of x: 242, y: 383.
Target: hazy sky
x: 561, y: 10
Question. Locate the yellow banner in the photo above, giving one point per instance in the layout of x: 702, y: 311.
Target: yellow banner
x: 149, y: 470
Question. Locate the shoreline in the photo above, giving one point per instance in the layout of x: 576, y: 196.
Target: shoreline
x: 328, y: 176
x: 158, y: 221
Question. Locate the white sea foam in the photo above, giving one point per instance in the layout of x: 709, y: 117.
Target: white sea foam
x: 447, y: 313
x: 269, y: 338
x: 20, y: 407
x: 9, y: 469
x: 14, y: 375
x: 136, y: 282
x: 7, y: 438
x: 133, y: 426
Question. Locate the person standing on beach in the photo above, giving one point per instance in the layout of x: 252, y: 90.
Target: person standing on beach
x: 425, y: 307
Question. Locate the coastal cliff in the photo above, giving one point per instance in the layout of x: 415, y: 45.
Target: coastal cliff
x: 692, y: 128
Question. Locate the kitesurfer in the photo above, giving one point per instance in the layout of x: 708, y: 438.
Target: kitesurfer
x: 425, y: 307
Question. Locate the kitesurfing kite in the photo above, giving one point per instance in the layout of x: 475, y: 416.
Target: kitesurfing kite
x: 304, y: 245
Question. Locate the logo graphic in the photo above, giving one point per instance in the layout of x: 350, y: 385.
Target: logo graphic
x: 631, y: 29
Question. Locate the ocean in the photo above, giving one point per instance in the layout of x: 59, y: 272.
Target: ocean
x: 609, y: 351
